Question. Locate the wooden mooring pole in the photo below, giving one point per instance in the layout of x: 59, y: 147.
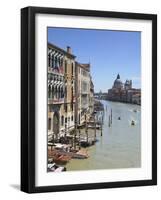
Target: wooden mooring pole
x: 109, y: 123
x: 102, y: 122
x: 86, y: 128
x: 79, y: 138
x: 95, y: 128
x: 111, y: 116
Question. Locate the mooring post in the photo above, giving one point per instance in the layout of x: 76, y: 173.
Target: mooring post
x: 111, y: 115
x: 109, y: 121
x: 79, y: 138
x: 101, y: 124
x: 86, y: 128
x: 75, y: 133
x: 95, y: 128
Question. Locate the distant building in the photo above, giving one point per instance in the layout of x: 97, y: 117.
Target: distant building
x: 101, y: 95
x: 124, y: 92
x: 136, y: 98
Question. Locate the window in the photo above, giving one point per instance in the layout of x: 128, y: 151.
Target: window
x: 72, y: 69
x: 56, y: 62
x: 65, y: 107
x: 72, y: 118
x: 62, y: 120
x: 49, y: 57
x: 49, y: 123
x: 52, y: 61
x: 66, y: 120
x: 65, y: 66
x: 71, y: 106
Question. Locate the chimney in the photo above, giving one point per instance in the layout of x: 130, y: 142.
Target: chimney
x: 69, y: 50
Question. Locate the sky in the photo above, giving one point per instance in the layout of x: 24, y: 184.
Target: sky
x: 108, y: 52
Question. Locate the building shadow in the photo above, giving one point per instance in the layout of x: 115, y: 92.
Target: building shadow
x: 15, y: 186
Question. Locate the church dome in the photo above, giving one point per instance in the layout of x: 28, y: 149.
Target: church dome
x: 118, y: 83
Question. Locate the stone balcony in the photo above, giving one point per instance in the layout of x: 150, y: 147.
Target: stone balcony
x: 56, y: 101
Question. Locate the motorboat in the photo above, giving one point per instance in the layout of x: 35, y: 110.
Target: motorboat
x: 119, y: 118
x: 132, y: 122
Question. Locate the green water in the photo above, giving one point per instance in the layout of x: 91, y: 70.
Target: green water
x: 120, y: 144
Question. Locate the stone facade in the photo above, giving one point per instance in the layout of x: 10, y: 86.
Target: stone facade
x: 85, y: 92
x: 70, y: 92
x: 61, y: 90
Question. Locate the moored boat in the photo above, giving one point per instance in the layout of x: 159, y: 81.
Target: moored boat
x: 132, y: 122
x: 53, y: 167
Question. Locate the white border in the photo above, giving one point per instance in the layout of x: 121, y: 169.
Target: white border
x: 94, y: 176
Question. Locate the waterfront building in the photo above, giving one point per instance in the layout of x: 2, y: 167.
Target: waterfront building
x: 124, y: 92
x: 70, y: 92
x: 61, y: 91
x: 85, y: 93
x: 136, y: 98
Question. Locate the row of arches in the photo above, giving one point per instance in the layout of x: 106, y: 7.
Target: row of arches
x: 56, y: 91
x: 55, y: 59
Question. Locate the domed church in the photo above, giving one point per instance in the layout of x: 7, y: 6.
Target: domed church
x: 120, y: 91
x: 118, y: 83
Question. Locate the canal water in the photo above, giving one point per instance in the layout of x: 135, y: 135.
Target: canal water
x: 120, y: 144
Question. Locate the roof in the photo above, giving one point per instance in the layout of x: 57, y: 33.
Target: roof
x: 59, y: 49
x: 85, y: 66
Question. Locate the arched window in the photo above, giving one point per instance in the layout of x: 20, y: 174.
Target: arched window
x: 49, y: 57
x: 52, y: 60
x: 62, y: 120
x: 61, y: 62
x: 72, y: 93
x: 56, y: 60
x: 58, y: 87
x: 62, y: 92
x: 65, y: 66
x: 72, y: 69
x: 49, y: 123
x: 49, y: 91
x: 65, y: 92
x: 53, y: 91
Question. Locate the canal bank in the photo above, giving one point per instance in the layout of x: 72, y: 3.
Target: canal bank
x: 120, y: 144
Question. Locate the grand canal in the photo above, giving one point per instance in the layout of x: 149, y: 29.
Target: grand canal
x: 120, y: 144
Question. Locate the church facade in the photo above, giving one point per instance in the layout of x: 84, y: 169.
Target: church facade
x: 124, y: 92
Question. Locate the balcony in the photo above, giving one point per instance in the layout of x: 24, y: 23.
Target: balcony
x: 56, y: 70
x: 84, y: 105
x: 84, y: 92
x: 56, y: 101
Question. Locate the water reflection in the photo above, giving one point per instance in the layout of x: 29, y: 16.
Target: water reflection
x: 120, y: 144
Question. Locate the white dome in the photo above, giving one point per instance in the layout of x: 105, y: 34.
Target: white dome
x: 118, y: 83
